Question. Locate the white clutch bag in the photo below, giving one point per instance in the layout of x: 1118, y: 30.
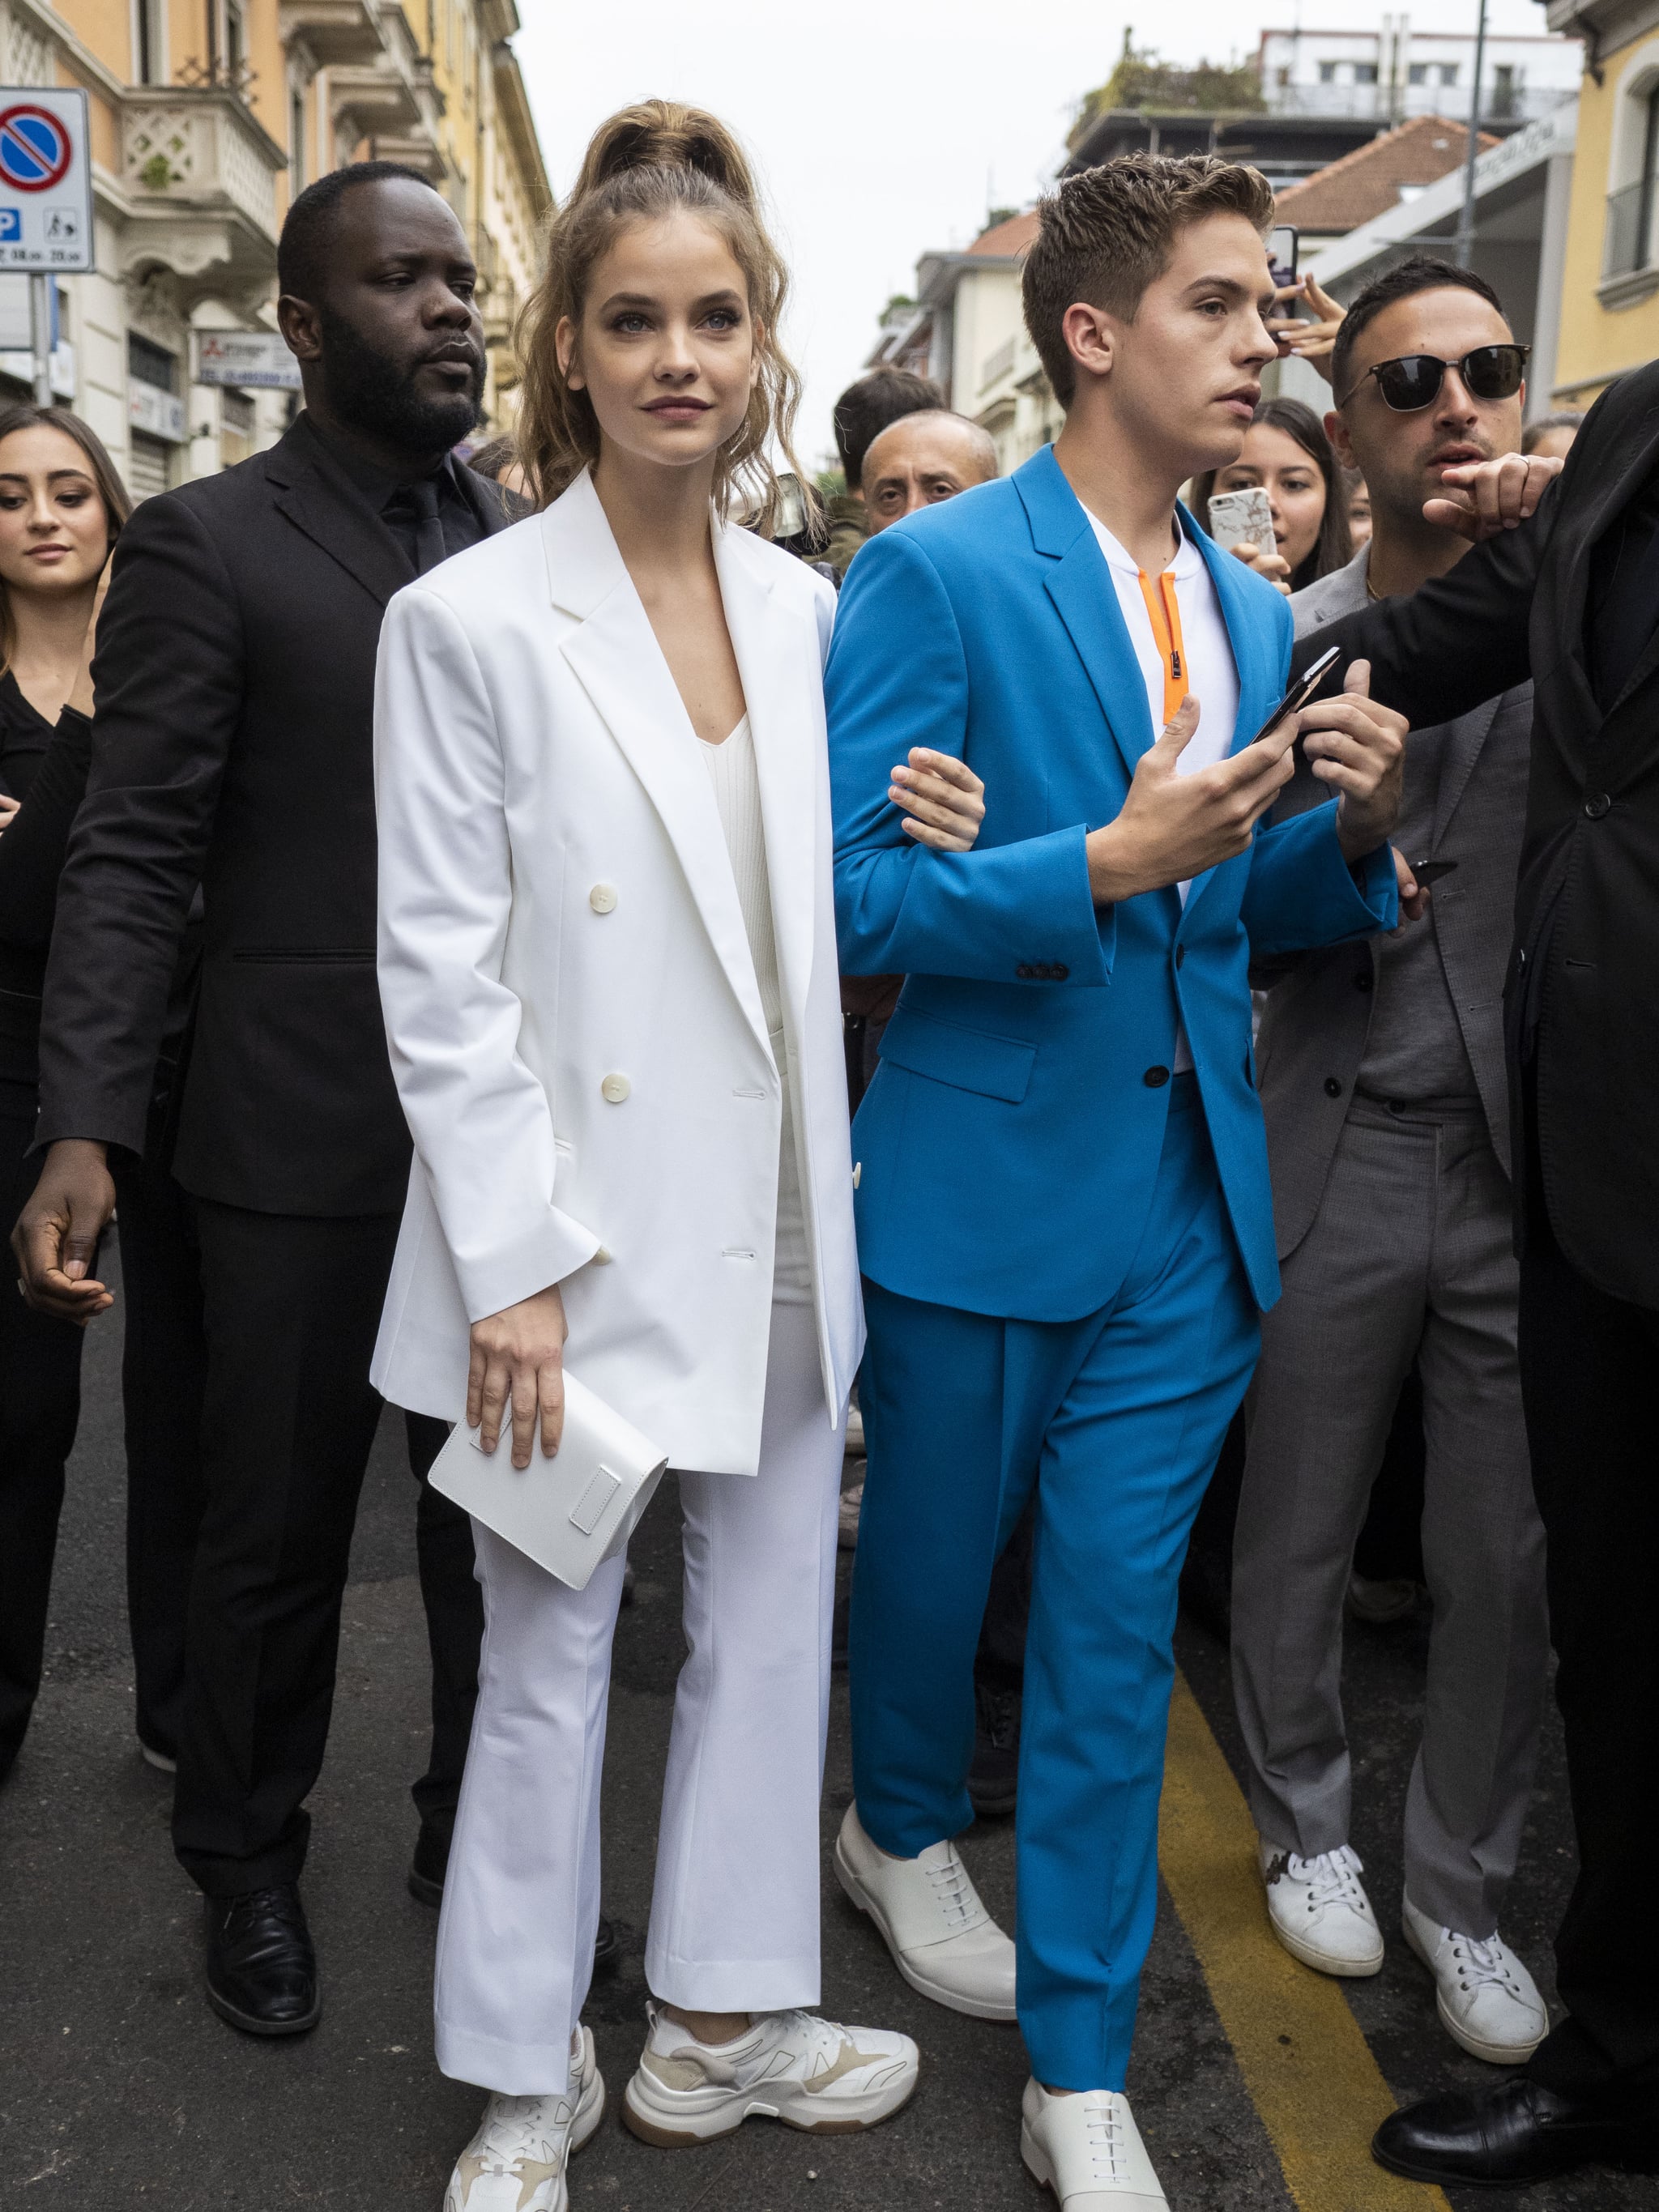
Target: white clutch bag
x: 567, y: 1513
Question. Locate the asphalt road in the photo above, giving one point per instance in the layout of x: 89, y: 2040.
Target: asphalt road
x: 118, y: 2088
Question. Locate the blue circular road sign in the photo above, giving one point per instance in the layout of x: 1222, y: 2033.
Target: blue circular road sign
x: 34, y: 149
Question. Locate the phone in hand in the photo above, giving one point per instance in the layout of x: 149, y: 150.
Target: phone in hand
x: 1299, y: 693
x: 1430, y: 871
x: 1283, y: 247
x: 1241, y: 517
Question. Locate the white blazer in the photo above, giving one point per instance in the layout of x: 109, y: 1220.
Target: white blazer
x: 570, y: 1002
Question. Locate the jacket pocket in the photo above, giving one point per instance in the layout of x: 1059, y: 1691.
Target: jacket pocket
x: 970, y: 1060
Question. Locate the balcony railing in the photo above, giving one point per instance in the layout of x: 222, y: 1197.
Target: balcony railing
x: 1503, y: 104
x: 1629, y: 241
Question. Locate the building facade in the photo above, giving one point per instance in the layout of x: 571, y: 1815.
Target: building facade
x: 206, y: 116
x: 1609, y: 314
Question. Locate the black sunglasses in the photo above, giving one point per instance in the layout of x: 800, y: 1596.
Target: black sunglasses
x: 1491, y: 372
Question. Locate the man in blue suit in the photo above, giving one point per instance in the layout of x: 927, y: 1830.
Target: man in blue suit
x: 1064, y: 1215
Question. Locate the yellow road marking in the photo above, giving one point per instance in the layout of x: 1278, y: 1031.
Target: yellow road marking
x: 1309, y: 2071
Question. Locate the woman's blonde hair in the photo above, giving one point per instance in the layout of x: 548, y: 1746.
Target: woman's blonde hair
x: 648, y: 161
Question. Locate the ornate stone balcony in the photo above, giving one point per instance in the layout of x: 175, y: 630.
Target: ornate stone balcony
x: 199, y: 177
x: 335, y: 32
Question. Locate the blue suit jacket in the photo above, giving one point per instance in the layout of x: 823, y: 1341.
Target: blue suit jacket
x: 1010, y: 1140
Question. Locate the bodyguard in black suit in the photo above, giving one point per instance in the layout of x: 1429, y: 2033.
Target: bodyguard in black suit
x: 1571, y: 598
x: 234, y: 679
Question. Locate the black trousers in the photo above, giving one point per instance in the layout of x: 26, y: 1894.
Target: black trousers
x: 39, y: 1407
x: 1590, y: 1377
x: 163, y: 1376
x: 290, y: 1308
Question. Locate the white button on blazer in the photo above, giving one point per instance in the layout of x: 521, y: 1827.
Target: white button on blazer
x: 531, y: 750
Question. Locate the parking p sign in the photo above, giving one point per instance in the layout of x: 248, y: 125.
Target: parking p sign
x: 45, y: 180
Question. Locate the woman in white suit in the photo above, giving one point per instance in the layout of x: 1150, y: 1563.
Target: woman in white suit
x: 608, y: 968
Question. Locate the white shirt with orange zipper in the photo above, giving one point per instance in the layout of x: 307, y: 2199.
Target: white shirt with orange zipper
x: 1190, y: 651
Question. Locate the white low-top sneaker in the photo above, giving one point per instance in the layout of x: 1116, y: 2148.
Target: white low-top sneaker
x: 1087, y: 2149
x: 1487, y: 2001
x: 1319, y: 1912
x: 942, y: 1941
x: 791, y: 2066
x: 516, y: 2162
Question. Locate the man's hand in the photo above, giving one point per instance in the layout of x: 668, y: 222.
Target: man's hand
x: 57, y: 1232
x: 1414, y: 895
x: 1173, y: 827
x: 519, y: 1353
x: 942, y: 797
x: 1358, y: 750
x: 9, y: 807
x: 1483, y: 497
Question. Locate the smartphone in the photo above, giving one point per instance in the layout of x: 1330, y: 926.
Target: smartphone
x: 1299, y: 693
x: 1241, y: 517
x: 1284, y: 246
x: 1430, y: 871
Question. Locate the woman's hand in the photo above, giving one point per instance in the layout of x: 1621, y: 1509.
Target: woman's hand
x: 1272, y: 565
x: 80, y: 698
x: 519, y: 1353
x: 942, y: 797
x: 1310, y: 342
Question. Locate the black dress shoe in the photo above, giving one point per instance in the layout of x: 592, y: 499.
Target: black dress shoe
x: 993, y: 1778
x: 261, y: 1969
x: 430, y: 1866
x: 1515, y: 2132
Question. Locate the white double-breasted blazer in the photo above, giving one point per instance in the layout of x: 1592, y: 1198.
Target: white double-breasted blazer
x: 571, y: 1005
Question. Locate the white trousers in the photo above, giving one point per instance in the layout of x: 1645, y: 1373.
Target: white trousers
x: 734, y: 1913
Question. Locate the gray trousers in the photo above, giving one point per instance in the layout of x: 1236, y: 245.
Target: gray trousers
x: 1409, y: 1257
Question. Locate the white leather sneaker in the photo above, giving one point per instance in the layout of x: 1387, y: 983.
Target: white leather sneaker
x: 1487, y: 2001
x: 791, y: 2066
x: 1319, y: 1912
x: 516, y: 2162
x: 1087, y: 2149
x: 942, y: 1941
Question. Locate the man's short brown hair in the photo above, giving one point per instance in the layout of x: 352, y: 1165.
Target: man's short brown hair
x: 1106, y: 234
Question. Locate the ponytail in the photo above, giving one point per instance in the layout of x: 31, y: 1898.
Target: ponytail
x: 648, y: 161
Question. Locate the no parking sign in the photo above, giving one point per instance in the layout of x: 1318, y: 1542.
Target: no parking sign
x: 45, y: 180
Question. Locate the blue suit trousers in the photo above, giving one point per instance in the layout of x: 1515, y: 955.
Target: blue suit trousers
x: 1115, y: 1420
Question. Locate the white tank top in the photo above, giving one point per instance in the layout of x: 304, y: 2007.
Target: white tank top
x: 736, y: 779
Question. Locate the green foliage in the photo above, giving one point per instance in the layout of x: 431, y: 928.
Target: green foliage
x: 156, y: 175
x: 1142, y: 81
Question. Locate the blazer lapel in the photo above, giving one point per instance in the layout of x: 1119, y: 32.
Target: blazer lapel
x: 320, y: 500
x: 775, y: 657
x: 1466, y: 736
x: 1085, y: 599
x: 615, y: 657
x: 1596, y: 516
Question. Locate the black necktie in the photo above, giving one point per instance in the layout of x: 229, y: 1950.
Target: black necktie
x: 428, y: 529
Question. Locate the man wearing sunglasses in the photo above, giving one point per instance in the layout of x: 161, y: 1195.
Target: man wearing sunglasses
x: 1382, y: 1086
x: 1564, y: 586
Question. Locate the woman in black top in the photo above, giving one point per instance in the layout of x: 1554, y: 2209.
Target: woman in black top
x: 61, y: 506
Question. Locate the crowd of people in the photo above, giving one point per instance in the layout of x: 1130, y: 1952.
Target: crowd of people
x: 1200, y: 1072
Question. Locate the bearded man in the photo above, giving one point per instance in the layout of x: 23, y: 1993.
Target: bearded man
x: 232, y: 748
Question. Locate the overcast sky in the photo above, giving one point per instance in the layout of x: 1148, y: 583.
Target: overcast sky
x: 882, y: 128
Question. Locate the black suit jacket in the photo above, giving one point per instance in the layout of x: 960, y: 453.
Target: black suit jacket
x: 232, y: 747
x: 1582, y: 994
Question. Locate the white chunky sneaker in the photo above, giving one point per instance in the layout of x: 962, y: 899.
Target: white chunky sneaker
x: 516, y: 2162
x: 1320, y: 1912
x: 791, y: 2066
x: 1487, y: 2001
x: 942, y: 1941
x: 1087, y: 2149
